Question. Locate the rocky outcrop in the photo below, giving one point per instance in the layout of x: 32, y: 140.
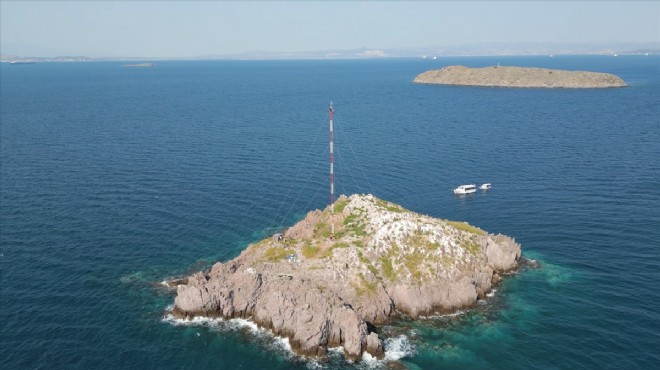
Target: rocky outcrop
x: 498, y: 76
x: 322, y: 293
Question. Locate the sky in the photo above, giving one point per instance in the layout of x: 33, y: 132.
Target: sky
x: 204, y: 28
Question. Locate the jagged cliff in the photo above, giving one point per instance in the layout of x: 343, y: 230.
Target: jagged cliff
x: 324, y: 293
x: 518, y: 77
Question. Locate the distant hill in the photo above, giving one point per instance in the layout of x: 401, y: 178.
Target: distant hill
x: 483, y: 49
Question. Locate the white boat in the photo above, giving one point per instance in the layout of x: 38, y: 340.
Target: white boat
x: 465, y: 189
x: 485, y: 186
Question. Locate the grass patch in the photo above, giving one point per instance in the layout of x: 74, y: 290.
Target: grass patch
x: 364, y: 287
x: 421, y: 240
x: 388, y: 269
x: 370, y: 267
x: 341, y: 245
x: 471, y: 247
x: 310, y: 250
x: 354, y: 223
x: 362, y: 258
x: 412, y: 262
x: 340, y: 205
x: 322, y: 230
x: 464, y: 226
x: 262, y: 243
x: 389, y: 206
x: 447, y: 260
x: 274, y: 254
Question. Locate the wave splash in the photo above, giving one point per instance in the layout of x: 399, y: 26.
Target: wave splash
x: 275, y: 343
x: 396, y: 348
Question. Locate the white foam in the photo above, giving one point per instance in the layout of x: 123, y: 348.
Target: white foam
x: 395, y: 348
x: 370, y: 361
x: 337, y: 350
x: 398, y: 347
x: 313, y: 365
x: 437, y: 316
x: 195, y: 321
x: 277, y: 343
x: 242, y: 323
x: 284, y: 343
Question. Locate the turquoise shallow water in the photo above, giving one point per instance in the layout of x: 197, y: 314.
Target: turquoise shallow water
x: 113, y: 179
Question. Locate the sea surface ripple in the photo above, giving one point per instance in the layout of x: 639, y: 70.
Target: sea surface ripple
x: 113, y: 179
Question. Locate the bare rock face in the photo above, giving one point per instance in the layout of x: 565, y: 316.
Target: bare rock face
x: 320, y: 293
x: 518, y: 77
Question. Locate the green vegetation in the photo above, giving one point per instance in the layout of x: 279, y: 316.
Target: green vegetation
x: 362, y: 258
x: 327, y: 252
x: 388, y: 269
x: 364, y: 287
x: 471, y: 247
x: 261, y: 243
x: 354, y: 223
x: 389, y: 206
x: 288, y: 242
x: 413, y: 261
x: 340, y: 245
x: 275, y: 254
x: 370, y: 267
x: 310, y: 250
x: 447, y: 260
x: 340, y: 205
x: 421, y: 240
x: 322, y: 230
x: 464, y: 226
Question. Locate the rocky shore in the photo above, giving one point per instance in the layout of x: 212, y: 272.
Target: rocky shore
x: 384, y: 261
x: 498, y: 76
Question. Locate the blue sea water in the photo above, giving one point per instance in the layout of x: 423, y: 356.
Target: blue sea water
x: 113, y: 179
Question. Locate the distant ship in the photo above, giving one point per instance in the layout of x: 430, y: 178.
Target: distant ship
x: 21, y: 62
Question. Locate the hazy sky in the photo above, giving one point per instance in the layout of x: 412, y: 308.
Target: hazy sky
x: 179, y: 29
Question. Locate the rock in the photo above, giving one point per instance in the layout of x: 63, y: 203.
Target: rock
x: 518, y: 77
x: 384, y: 260
x: 375, y: 346
x: 503, y: 254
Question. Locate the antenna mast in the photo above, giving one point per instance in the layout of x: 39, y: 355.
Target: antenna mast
x: 332, y: 178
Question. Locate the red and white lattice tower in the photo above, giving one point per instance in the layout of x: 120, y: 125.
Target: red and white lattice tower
x: 332, y: 178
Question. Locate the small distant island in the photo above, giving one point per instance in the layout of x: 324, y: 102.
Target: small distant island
x: 140, y: 65
x: 519, y: 77
x: 319, y: 292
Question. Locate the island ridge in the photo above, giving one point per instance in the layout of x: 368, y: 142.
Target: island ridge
x: 499, y: 76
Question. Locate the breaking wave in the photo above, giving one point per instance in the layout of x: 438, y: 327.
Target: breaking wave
x: 264, y: 336
x: 397, y: 348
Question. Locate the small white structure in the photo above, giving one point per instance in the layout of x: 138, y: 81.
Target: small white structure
x: 465, y: 189
x: 485, y: 186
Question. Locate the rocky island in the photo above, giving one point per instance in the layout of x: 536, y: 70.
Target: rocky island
x: 498, y: 76
x: 384, y: 261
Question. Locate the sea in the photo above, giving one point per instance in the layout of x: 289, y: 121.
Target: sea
x: 114, y: 179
